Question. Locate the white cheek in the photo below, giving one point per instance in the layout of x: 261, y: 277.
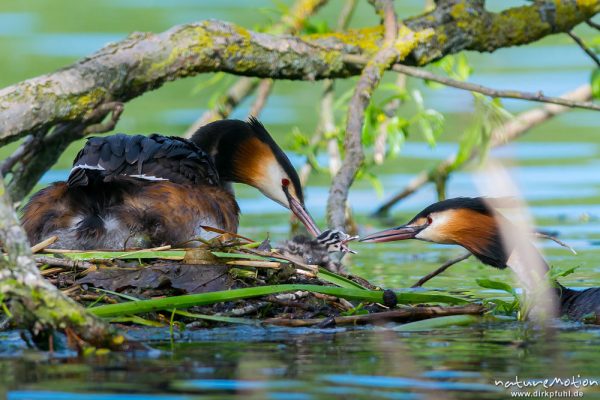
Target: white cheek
x: 433, y: 233
x: 423, y: 235
x: 271, y: 185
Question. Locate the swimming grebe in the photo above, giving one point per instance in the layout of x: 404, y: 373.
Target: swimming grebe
x: 474, y: 225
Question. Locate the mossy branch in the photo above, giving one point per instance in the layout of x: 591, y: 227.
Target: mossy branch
x: 144, y: 61
x: 35, y: 303
x: 369, y: 80
x: 291, y: 23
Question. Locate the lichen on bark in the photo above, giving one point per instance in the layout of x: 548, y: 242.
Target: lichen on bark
x: 35, y: 303
x: 144, y: 61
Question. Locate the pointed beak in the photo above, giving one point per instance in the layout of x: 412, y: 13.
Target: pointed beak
x: 303, y: 215
x: 344, y: 244
x: 399, y: 233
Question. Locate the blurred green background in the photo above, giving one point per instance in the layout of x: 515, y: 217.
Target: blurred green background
x: 556, y: 166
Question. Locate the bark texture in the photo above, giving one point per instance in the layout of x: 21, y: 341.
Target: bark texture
x: 33, y: 301
x: 145, y: 61
x: 369, y: 80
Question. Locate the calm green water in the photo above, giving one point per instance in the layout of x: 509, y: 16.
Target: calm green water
x: 556, y: 166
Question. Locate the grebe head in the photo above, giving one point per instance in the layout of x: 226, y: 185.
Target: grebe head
x: 468, y: 222
x: 245, y: 152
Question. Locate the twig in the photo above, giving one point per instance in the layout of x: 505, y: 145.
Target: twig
x: 398, y: 315
x: 37, y: 155
x: 71, y: 290
x: 51, y: 271
x: 264, y: 90
x: 10, y: 161
x: 237, y: 93
x: 43, y: 244
x: 95, y: 298
x: 98, y: 114
x: 593, y: 24
x: 346, y: 14
x: 129, y: 252
x: 507, y: 133
x: 63, y: 251
x: 441, y: 269
x: 64, y: 262
x: 291, y: 300
x: 255, y: 264
x: 290, y: 303
x: 584, y: 47
x: 555, y: 240
x: 473, y: 87
x: 244, y: 310
x: 308, y: 267
x: 369, y: 79
x: 159, y: 248
x: 308, y: 274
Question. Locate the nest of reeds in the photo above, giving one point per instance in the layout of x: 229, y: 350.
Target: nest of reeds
x: 230, y: 279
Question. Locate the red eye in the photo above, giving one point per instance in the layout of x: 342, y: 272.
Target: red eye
x: 285, y: 182
x: 429, y: 220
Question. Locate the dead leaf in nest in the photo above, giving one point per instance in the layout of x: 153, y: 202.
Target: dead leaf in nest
x: 185, y: 277
x: 200, y: 255
x: 265, y: 245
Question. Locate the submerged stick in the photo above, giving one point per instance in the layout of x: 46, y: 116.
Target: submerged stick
x: 441, y: 269
x: 403, y: 314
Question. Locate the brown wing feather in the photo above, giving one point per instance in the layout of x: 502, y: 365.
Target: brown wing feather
x: 171, y: 213
x: 47, y: 210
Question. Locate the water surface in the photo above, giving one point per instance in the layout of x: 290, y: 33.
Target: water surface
x: 556, y: 166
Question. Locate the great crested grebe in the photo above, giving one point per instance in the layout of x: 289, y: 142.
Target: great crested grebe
x: 140, y: 191
x: 473, y: 224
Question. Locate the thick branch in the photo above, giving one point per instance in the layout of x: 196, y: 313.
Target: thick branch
x: 35, y: 303
x: 39, y: 154
x: 244, y: 87
x: 369, y: 79
x: 142, y: 62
